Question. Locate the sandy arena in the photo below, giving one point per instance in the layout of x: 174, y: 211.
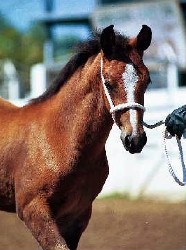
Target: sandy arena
x: 115, y: 224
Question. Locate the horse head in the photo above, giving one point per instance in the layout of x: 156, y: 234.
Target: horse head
x: 125, y: 79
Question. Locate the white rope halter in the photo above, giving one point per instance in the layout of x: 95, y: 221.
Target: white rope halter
x: 121, y: 106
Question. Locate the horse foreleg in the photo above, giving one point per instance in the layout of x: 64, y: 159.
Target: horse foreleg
x: 73, y: 232
x: 38, y: 218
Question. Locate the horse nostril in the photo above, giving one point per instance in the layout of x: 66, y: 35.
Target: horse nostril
x: 128, y: 140
x: 144, y: 138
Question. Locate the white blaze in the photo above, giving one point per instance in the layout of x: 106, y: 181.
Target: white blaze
x: 130, y: 79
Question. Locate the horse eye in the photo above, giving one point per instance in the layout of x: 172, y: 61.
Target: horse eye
x: 108, y: 85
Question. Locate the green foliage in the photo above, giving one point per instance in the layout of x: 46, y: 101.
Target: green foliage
x: 30, y: 53
x: 64, y: 47
x: 24, y: 49
x: 118, y: 195
x: 9, y: 40
x: 32, y: 45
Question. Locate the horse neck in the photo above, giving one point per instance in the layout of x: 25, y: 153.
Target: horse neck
x: 81, y: 106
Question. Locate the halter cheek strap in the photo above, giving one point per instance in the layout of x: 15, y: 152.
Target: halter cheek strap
x: 121, y: 106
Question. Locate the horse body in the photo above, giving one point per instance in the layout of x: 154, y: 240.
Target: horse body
x: 53, y: 162
x: 73, y: 171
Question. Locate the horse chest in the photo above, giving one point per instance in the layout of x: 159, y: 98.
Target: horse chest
x: 81, y: 188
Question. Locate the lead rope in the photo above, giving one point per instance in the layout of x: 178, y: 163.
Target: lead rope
x: 166, y: 135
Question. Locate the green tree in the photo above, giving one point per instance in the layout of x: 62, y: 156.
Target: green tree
x: 32, y: 45
x: 9, y: 40
x: 64, y: 46
x: 24, y: 49
x: 31, y: 52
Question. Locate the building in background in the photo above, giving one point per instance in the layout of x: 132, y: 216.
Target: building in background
x: 167, y: 18
x: 68, y: 22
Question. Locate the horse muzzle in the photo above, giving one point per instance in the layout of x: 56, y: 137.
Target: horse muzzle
x: 133, y: 143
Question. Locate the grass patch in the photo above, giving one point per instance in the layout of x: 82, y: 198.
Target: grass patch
x: 117, y: 195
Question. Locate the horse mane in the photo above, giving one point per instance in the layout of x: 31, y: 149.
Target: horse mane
x: 84, y: 51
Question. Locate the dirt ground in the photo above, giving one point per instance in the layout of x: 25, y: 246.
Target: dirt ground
x: 115, y: 224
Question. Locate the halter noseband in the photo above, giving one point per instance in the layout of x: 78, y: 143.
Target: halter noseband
x: 121, y: 106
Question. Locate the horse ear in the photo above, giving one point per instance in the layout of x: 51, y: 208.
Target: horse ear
x: 107, y: 40
x: 144, y: 38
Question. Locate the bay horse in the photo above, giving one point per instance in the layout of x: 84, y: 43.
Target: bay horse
x: 52, y: 150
